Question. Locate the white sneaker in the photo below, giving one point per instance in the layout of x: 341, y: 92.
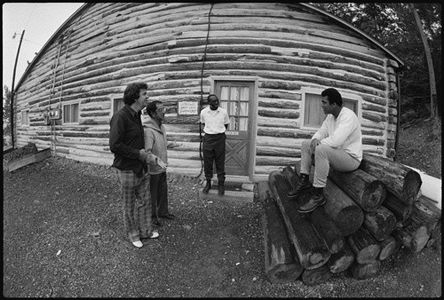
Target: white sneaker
x: 154, y: 235
x: 138, y: 244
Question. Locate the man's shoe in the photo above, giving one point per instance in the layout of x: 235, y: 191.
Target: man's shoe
x: 168, y: 216
x: 302, y: 184
x: 221, y: 190
x: 137, y: 243
x: 156, y: 222
x: 316, y: 200
x: 153, y: 235
x: 207, y: 188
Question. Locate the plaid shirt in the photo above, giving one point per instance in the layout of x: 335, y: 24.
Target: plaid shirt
x: 126, y: 139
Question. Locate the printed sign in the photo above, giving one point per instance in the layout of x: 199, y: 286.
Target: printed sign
x: 187, y: 108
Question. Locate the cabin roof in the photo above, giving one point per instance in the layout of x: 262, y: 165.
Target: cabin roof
x: 86, y: 5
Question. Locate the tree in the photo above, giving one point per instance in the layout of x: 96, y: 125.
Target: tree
x: 6, y: 116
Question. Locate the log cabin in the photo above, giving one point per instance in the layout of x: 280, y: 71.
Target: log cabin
x: 268, y: 63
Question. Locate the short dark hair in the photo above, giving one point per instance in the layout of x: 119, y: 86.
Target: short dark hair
x: 132, y: 92
x: 152, y: 107
x: 333, y: 96
x: 212, y: 95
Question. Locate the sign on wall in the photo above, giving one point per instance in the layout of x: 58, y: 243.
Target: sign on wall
x: 187, y: 108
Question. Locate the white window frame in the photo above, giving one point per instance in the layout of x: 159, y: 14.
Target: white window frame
x: 25, y: 117
x: 63, y: 112
x: 113, y: 100
x: 318, y: 91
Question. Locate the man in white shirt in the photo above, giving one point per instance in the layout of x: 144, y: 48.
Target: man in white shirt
x: 337, y: 144
x: 215, y: 121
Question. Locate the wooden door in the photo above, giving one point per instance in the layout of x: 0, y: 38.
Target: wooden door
x: 236, y: 97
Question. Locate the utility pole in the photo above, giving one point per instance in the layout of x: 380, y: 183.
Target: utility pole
x: 11, y: 118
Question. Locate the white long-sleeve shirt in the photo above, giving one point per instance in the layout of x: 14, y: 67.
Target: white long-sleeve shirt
x: 344, y: 132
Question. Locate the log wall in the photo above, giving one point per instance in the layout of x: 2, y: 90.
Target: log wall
x: 289, y: 48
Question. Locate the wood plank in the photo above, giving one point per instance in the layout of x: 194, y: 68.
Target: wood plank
x: 29, y: 159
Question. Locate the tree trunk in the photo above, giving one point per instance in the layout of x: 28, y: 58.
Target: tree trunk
x: 401, y: 211
x: 364, y: 246
x: 342, y: 260
x: 281, y: 263
x: 363, y: 271
x: 326, y: 227
x: 364, y: 189
x: 310, y: 247
x: 389, y: 246
x: 428, y: 54
x: 316, y: 276
x: 380, y: 223
x: 400, y: 180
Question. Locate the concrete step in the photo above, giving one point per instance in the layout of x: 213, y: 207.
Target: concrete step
x: 230, y: 195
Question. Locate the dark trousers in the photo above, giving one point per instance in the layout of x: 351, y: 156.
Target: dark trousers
x: 214, y: 151
x: 159, y: 194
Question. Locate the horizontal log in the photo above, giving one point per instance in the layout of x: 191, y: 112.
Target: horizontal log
x: 364, y: 271
x: 380, y: 223
x: 425, y: 212
x: 311, y: 249
x: 281, y: 263
x: 364, y: 245
x: 401, y: 181
x: 316, y: 276
x: 341, y: 261
x: 367, y: 191
x: 326, y: 227
x: 401, y: 211
x: 346, y: 214
x: 389, y: 246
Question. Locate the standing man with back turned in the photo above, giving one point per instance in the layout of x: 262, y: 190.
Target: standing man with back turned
x: 126, y: 141
x: 215, y: 121
x: 337, y: 144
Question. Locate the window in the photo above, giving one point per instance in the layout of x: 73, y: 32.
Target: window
x: 25, y: 117
x: 235, y: 97
x: 71, y: 113
x: 313, y: 116
x: 117, y: 104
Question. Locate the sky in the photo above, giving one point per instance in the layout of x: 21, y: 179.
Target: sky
x: 39, y: 20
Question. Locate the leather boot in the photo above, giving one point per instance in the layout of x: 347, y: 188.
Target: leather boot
x: 207, y: 187
x: 302, y: 184
x: 316, y: 200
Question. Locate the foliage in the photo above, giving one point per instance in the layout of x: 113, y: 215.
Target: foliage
x: 393, y: 25
x: 6, y: 116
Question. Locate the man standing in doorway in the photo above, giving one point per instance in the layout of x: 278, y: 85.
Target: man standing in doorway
x: 126, y: 141
x: 337, y: 144
x: 157, y: 144
x: 215, y: 121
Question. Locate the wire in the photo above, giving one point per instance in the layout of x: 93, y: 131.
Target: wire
x: 201, y: 91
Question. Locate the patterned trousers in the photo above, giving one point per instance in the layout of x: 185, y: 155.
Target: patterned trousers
x: 135, y: 194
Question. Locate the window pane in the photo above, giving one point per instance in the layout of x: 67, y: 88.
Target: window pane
x: 66, y: 113
x: 234, y: 93
x: 75, y: 110
x: 233, y: 109
x: 352, y: 104
x: 243, y: 124
x: 245, y: 94
x: 224, y: 93
x: 243, y: 109
x: 224, y: 105
x: 232, y: 125
x: 313, y: 114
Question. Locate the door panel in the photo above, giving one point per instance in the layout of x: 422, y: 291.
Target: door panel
x: 236, y: 97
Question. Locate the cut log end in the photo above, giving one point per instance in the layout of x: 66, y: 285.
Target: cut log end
x: 374, y: 195
x: 363, y: 271
x: 412, y: 185
x: 345, y: 226
x: 368, y: 254
x: 284, y: 273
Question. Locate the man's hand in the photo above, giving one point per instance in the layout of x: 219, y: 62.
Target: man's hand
x: 313, y: 144
x: 161, y: 163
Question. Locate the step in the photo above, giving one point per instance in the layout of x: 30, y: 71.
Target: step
x: 230, y: 195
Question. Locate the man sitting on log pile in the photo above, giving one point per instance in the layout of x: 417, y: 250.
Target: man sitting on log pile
x: 337, y: 143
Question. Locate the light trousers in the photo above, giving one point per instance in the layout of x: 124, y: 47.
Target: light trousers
x: 324, y: 158
x: 135, y: 194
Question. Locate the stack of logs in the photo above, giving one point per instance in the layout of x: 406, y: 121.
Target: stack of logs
x: 369, y: 214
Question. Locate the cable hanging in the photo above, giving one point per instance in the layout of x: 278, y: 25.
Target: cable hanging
x: 201, y: 91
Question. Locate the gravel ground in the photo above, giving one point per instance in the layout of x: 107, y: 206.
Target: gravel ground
x: 63, y: 237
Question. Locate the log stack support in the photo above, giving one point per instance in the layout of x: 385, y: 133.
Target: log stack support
x: 363, y: 223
